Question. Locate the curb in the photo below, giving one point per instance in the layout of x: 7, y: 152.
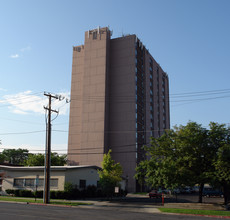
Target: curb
x: 209, y: 216
x: 42, y: 204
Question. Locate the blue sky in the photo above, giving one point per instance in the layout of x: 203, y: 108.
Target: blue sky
x: 189, y: 38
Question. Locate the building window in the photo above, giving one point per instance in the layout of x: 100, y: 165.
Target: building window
x: 41, y: 182
x: 29, y: 182
x: 150, y: 69
x: 54, y: 183
x: 150, y: 61
x: 19, y: 182
x: 82, y: 184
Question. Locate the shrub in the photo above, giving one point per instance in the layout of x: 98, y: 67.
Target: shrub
x: 53, y: 194
x: 100, y: 193
x: 91, y: 191
x: 26, y: 193
x: 60, y: 194
x: 82, y: 194
x: 39, y: 194
x: 68, y: 187
x: 10, y: 191
x: 17, y: 192
x: 76, y: 193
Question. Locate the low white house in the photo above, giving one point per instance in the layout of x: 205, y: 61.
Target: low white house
x: 28, y: 177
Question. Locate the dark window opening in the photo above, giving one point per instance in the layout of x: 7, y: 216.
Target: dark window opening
x: 82, y: 184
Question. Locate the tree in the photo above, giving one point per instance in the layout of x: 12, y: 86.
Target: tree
x: 180, y: 157
x: 2, y: 158
x: 220, y: 139
x: 110, y: 174
x: 58, y: 160
x: 38, y: 160
x: 222, y: 173
x: 35, y: 160
x: 196, y: 154
x: 15, y: 156
x: 141, y: 173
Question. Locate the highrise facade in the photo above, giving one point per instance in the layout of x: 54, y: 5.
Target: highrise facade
x: 119, y: 99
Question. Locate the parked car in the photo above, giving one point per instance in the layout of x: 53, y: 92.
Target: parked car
x: 195, y: 189
x: 186, y: 190
x: 210, y: 192
x: 176, y: 191
x: 155, y: 194
x: 164, y: 191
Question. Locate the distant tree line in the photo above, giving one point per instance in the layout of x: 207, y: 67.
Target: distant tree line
x: 187, y: 156
x: 24, y: 158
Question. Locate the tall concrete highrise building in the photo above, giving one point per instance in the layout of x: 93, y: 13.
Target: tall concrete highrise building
x: 119, y: 99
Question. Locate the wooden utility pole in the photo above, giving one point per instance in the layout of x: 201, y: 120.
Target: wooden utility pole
x: 46, y: 196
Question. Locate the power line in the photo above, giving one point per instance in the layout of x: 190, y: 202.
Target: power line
x: 124, y: 97
x: 132, y: 100
x: 201, y: 92
x: 22, y: 103
x: 19, y: 133
x: 22, y: 121
x: 25, y: 96
x: 176, y: 95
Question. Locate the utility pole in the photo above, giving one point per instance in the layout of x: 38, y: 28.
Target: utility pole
x: 46, y: 196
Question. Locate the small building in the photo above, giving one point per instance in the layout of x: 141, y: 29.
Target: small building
x: 28, y: 177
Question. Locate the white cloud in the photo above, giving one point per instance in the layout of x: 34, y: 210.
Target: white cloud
x: 4, y: 90
x: 14, y: 56
x: 25, y: 49
x: 27, y: 102
x: 22, y: 50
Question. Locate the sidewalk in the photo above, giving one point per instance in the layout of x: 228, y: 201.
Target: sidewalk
x: 201, y: 206
x: 129, y: 207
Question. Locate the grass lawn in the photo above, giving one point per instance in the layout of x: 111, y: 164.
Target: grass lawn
x: 195, y: 212
x: 31, y: 200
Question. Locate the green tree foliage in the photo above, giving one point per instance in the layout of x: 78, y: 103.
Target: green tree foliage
x: 2, y: 158
x: 220, y: 138
x: 141, y: 173
x: 110, y: 175
x: 35, y: 160
x: 15, y: 156
x: 222, y: 174
x: 188, y: 155
x: 38, y: 160
x: 58, y: 160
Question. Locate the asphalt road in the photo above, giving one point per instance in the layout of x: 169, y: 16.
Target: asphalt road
x: 12, y: 211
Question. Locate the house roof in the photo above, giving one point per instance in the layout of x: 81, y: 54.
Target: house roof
x: 53, y: 168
